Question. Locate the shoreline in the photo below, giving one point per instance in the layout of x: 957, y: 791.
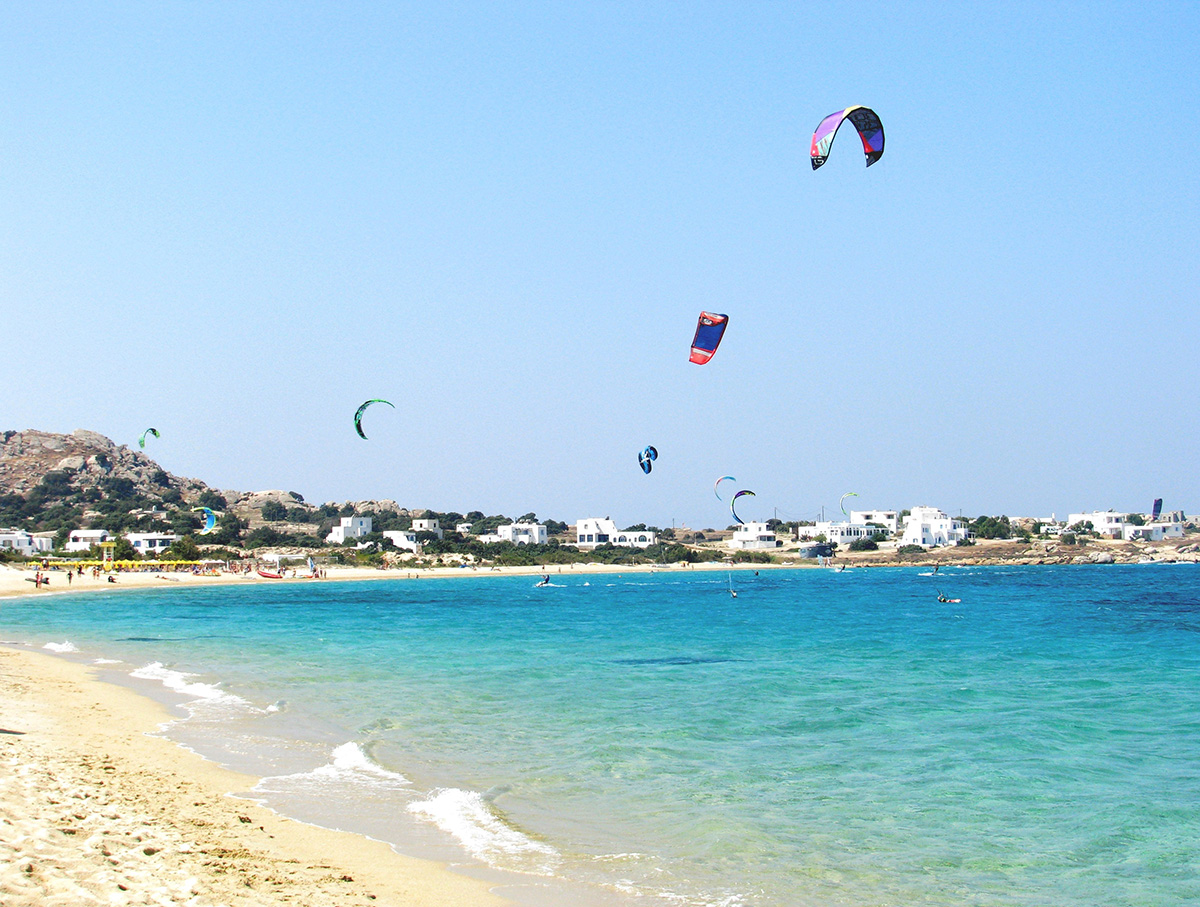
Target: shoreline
x: 98, y: 810
x: 991, y: 552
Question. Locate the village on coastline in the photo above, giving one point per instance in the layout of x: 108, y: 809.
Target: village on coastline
x: 107, y: 505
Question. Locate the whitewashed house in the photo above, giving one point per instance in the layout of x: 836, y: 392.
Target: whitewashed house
x: 427, y: 526
x: 463, y: 528
x: 351, y: 527
x: 753, y: 535
x: 24, y: 542
x: 593, y: 532
x: 1107, y: 523
x: 84, y: 539
x: 931, y: 528
x: 888, y: 519
x: 1153, y: 532
x: 523, y: 533
x: 1051, y: 526
x: 150, y: 544
x: 840, y: 532
x: 404, y: 539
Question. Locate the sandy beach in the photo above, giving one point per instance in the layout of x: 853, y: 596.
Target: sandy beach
x: 94, y: 811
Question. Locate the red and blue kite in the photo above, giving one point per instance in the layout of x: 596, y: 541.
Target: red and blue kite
x: 709, y: 331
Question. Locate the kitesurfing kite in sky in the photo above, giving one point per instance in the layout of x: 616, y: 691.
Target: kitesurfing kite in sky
x: 864, y: 119
x: 709, y: 331
x: 733, y: 500
x: 210, y: 519
x: 842, y: 501
x: 359, y: 414
x: 142, y: 439
x: 717, y: 485
x: 646, y: 459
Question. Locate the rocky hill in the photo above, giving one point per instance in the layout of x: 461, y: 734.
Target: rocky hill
x: 86, y: 460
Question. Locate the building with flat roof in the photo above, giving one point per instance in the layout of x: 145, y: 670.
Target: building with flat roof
x: 151, y: 544
x: 84, y: 539
x: 888, y: 519
x: 350, y: 527
x: 753, y: 535
x: 25, y: 543
x: 931, y: 528
x: 593, y: 532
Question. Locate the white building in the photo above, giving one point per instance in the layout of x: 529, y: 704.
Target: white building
x: 427, y: 526
x: 1051, y: 525
x: 594, y: 531
x: 149, y: 544
x: 1107, y: 523
x: 753, y: 535
x: 84, y: 539
x: 351, y: 527
x: 404, y: 539
x: 888, y: 519
x: 930, y: 528
x: 1153, y: 532
x: 463, y: 528
x: 523, y: 533
x: 24, y: 542
x: 840, y: 532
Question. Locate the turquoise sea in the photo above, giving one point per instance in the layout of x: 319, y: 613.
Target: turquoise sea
x: 824, y: 738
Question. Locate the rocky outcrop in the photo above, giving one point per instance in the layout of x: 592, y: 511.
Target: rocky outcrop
x: 87, y: 460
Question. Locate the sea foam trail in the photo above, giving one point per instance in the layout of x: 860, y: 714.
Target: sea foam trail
x: 60, y: 647
x: 208, y: 700
x: 468, y: 817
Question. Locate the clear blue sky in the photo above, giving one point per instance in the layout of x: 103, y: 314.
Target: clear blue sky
x: 237, y: 221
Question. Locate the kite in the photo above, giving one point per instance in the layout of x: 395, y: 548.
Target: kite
x: 733, y: 500
x: 717, y: 485
x: 210, y: 519
x: 359, y: 414
x: 865, y: 120
x: 709, y: 331
x: 1157, y: 510
x: 646, y: 459
x: 848, y: 494
x: 142, y: 439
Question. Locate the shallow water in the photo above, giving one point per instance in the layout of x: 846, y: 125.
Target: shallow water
x: 825, y: 738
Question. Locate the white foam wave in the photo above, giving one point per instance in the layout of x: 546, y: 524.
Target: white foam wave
x: 178, y: 681
x: 60, y: 647
x: 208, y: 701
x: 467, y: 816
x: 349, y: 760
x: 348, y: 766
x: 106, y: 661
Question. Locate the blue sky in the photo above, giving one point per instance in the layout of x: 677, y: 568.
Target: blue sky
x: 236, y: 222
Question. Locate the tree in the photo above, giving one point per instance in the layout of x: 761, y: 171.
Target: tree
x: 123, y: 549
x: 273, y: 511
x: 183, y: 549
x: 209, y: 498
x: 864, y: 545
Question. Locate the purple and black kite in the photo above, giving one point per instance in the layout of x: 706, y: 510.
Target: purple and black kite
x: 865, y: 120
